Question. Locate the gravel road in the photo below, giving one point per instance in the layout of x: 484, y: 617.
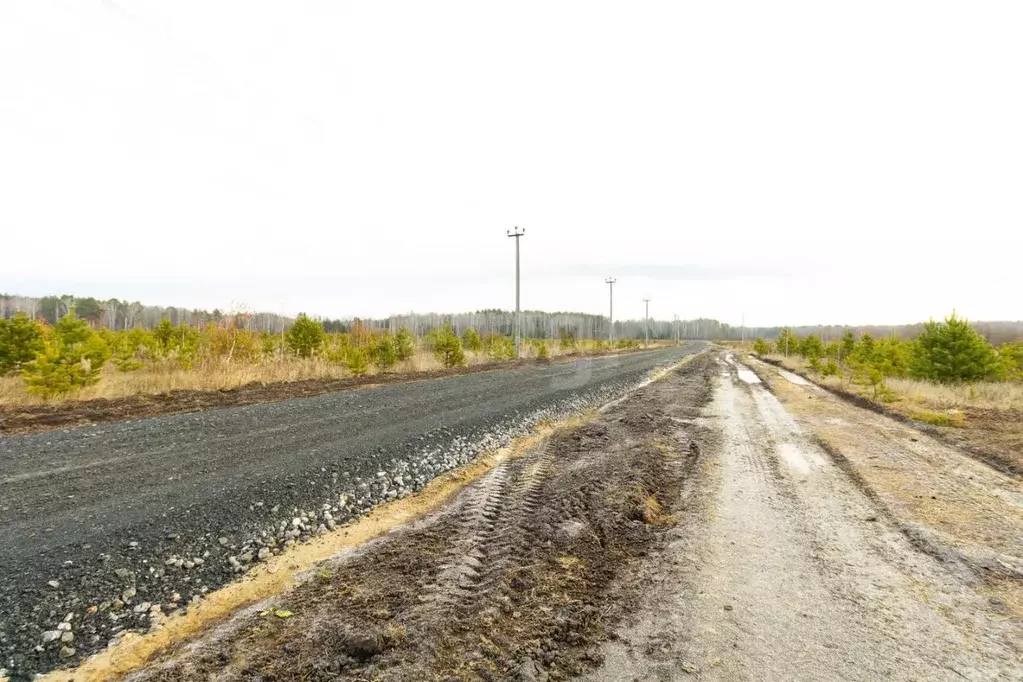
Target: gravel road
x: 103, y: 527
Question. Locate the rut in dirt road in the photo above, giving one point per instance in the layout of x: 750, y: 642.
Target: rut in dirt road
x: 783, y: 569
x: 520, y: 576
x: 492, y: 529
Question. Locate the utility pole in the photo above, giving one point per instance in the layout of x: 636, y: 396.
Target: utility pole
x: 516, y: 233
x: 744, y: 329
x: 611, y: 310
x: 646, y: 324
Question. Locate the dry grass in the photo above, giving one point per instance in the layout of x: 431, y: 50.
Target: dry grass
x: 984, y: 394
x: 216, y: 375
x: 988, y: 394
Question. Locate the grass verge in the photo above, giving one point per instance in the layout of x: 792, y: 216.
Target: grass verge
x: 984, y: 420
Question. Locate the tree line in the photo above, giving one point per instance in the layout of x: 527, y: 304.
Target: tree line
x: 58, y: 359
x: 951, y: 351
x: 118, y: 314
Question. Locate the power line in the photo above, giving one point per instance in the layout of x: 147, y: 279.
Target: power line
x: 516, y: 233
x: 646, y: 323
x: 610, y: 281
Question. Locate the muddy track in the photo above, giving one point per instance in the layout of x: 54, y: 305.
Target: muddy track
x: 513, y: 580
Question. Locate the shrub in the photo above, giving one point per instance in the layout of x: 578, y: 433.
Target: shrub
x: 130, y: 348
x: 447, y: 348
x: 404, y: 345
x: 830, y: 369
x: 1010, y: 357
x: 471, y: 340
x: 71, y: 359
x: 21, y: 339
x: 952, y: 351
x: 234, y: 344
x: 269, y: 344
x: 356, y: 361
x: 384, y: 352
x: 761, y: 347
x: 811, y: 347
x: 939, y: 419
x: 567, y: 340
x: 787, y: 342
x: 499, y: 347
x: 863, y: 350
x: 848, y: 345
x: 305, y: 336
x: 164, y: 335
x: 337, y: 348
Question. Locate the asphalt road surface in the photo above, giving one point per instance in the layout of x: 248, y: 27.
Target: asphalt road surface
x: 102, y: 526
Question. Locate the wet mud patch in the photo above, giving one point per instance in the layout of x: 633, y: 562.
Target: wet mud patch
x: 519, y: 578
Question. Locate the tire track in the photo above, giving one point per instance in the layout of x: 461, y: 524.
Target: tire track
x: 491, y: 528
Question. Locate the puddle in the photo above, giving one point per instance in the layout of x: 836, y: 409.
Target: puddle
x: 748, y: 376
x: 798, y: 380
x: 799, y: 460
x: 794, y: 378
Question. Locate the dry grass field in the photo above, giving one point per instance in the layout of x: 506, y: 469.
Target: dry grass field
x: 221, y: 374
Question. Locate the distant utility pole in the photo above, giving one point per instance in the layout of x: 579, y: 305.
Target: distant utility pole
x: 676, y: 329
x: 646, y: 324
x: 744, y: 329
x: 516, y: 233
x: 611, y: 311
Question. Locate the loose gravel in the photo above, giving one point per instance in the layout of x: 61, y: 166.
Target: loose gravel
x: 104, y: 528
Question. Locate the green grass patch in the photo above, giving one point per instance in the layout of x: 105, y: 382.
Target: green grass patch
x: 939, y: 419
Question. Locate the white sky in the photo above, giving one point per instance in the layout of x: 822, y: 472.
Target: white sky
x: 793, y: 162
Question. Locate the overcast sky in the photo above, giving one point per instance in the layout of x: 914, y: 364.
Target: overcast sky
x: 790, y: 162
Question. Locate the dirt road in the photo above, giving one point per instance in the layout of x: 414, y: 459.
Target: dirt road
x: 697, y: 528
x: 784, y: 568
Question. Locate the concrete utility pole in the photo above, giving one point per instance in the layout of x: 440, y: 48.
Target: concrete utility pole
x: 611, y: 311
x: 646, y: 324
x: 516, y: 233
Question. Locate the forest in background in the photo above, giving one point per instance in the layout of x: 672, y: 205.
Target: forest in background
x: 123, y: 314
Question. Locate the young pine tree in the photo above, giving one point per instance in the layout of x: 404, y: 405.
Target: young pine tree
x: 1010, y: 356
x: 787, y: 343
x: 357, y: 362
x: 305, y: 336
x: 21, y: 339
x: 448, y: 348
x: 471, y: 340
x: 761, y: 347
x: 384, y: 352
x: 952, y: 351
x: 164, y: 335
x: 811, y: 347
x: 404, y: 344
x: 71, y: 359
x: 847, y: 346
